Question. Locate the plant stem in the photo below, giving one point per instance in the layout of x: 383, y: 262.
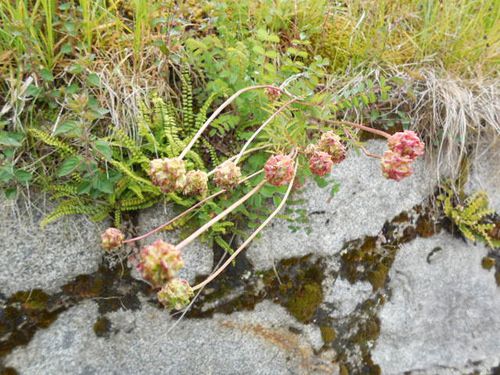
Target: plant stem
x: 365, y: 151
x: 359, y: 126
x: 251, y: 237
x: 220, y: 216
x: 281, y: 109
x: 217, y: 112
x: 184, y: 213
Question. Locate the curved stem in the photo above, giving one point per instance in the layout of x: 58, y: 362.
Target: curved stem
x: 362, y: 127
x: 281, y: 109
x: 184, y: 213
x: 251, y: 237
x: 365, y: 151
x: 218, y: 111
x: 220, y: 216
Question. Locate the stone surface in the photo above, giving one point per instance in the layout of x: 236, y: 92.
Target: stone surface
x: 48, y: 258
x: 364, y: 201
x: 485, y: 174
x: 444, y: 310
x: 198, y: 257
x: 264, y: 341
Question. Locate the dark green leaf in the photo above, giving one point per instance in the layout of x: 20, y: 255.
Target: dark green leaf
x: 68, y: 166
x: 69, y: 126
x: 23, y: 176
x: 11, y: 193
x: 46, y: 75
x: 104, y: 148
x: 93, y: 80
x: 10, y: 139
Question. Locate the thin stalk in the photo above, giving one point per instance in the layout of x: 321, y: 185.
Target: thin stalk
x: 220, y: 216
x: 359, y: 126
x: 184, y: 213
x: 271, y: 118
x: 252, y: 236
x: 217, y: 112
x: 365, y: 151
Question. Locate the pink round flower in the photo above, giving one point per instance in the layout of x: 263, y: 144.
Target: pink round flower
x: 320, y: 163
x: 396, y: 167
x: 160, y: 262
x: 196, y: 183
x: 169, y: 174
x: 273, y: 93
x: 227, y: 175
x: 175, y: 294
x: 406, y: 144
x: 331, y: 144
x: 111, y: 238
x: 279, y: 169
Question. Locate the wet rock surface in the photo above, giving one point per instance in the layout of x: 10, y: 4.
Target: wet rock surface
x: 32, y: 257
x: 443, y: 310
x: 363, y: 201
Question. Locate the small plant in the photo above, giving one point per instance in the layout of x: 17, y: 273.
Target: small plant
x: 470, y: 216
x: 160, y: 261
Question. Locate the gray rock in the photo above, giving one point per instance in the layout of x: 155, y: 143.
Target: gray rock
x: 198, y: 257
x: 48, y: 258
x: 364, y: 201
x: 343, y: 296
x: 148, y: 341
x: 485, y: 174
x: 443, y: 313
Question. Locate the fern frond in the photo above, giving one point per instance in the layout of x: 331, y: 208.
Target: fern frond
x: 214, y: 158
x: 125, y: 141
x: 187, y: 102
x: 68, y: 207
x: 122, y: 167
x: 62, y: 147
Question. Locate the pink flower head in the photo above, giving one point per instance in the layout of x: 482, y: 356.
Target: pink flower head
x: 159, y: 262
x: 320, y: 163
x: 175, y: 294
x: 331, y: 144
x: 169, y: 174
x: 196, y: 183
x: 111, y: 238
x: 227, y: 175
x: 406, y: 144
x: 273, y: 93
x: 279, y: 169
x: 396, y: 167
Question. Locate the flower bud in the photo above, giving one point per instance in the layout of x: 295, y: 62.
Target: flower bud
x: 112, y: 238
x: 160, y: 262
x: 320, y: 163
x: 176, y: 294
x: 406, y: 144
x: 227, y: 175
x: 168, y: 174
x: 396, y: 167
x: 196, y: 183
x: 331, y: 144
x: 273, y: 93
x: 310, y: 149
x: 279, y: 169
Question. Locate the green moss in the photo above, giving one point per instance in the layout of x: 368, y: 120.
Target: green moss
x: 497, y: 278
x: 305, y: 301
x: 328, y: 334
x: 102, y: 327
x: 488, y: 263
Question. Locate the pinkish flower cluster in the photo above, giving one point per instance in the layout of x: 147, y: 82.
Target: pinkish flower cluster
x: 404, y: 148
x: 175, y: 294
x: 112, y: 238
x: 196, y: 183
x: 331, y: 144
x: 169, y: 174
x: 406, y: 144
x: 227, y: 175
x: 160, y: 262
x: 279, y: 169
x: 273, y: 93
x: 320, y: 163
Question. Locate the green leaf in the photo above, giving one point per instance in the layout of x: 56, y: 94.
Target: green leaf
x: 66, y: 48
x: 103, y: 184
x: 69, y: 126
x: 11, y: 193
x: 10, y: 139
x: 23, y: 176
x: 93, y: 80
x: 321, y: 182
x: 84, y: 187
x: 6, y: 173
x: 68, y: 166
x: 46, y: 75
x: 104, y: 148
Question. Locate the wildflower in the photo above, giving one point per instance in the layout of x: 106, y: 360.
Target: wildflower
x: 406, y: 144
x: 320, y: 163
x: 279, y: 169
x: 160, y: 262
x: 331, y: 144
x: 168, y: 174
x: 227, y: 175
x: 196, y: 183
x: 273, y: 93
x: 310, y: 149
x: 175, y: 294
x: 112, y: 238
x: 396, y: 167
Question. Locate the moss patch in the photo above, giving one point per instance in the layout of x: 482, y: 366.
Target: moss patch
x: 488, y: 263
x: 328, y: 334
